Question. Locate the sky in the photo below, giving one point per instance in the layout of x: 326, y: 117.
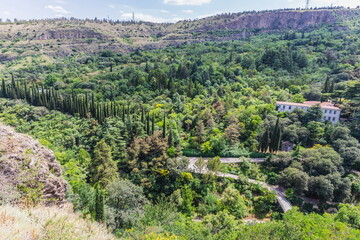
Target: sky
x: 147, y: 10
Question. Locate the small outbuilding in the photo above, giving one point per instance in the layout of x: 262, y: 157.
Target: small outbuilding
x: 287, y: 146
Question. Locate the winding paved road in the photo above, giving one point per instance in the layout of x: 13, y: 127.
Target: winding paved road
x: 192, y: 160
x: 280, y: 192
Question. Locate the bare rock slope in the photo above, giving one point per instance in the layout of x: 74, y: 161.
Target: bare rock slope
x: 28, y: 170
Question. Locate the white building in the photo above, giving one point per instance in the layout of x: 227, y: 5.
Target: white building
x: 330, y: 112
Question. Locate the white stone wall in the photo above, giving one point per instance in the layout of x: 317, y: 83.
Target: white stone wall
x: 329, y: 114
x: 289, y: 108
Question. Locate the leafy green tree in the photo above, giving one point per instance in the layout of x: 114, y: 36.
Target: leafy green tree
x: 349, y: 214
x: 234, y: 202
x: 321, y: 188
x: 200, y: 165
x: 314, y: 113
x: 221, y: 223
x: 294, y: 178
x: 124, y: 205
x: 298, y: 98
x: 211, y: 204
x: 316, y: 132
x: 162, y: 213
x: 50, y: 80
x: 264, y: 204
x: 321, y: 161
x: 187, y: 196
x: 214, y: 164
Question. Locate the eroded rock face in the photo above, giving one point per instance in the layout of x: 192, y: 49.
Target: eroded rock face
x: 28, y: 169
x: 293, y: 20
x: 71, y: 34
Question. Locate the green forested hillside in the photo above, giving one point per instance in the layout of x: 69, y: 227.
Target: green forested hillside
x: 121, y: 126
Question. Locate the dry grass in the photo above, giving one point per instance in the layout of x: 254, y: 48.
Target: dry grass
x: 48, y: 223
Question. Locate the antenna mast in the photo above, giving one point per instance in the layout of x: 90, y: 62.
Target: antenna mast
x: 307, y: 4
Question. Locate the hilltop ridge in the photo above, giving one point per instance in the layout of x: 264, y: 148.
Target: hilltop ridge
x: 61, y: 37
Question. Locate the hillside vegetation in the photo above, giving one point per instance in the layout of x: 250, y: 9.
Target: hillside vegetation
x: 121, y: 124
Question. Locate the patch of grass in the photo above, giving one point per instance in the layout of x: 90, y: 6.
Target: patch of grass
x: 48, y: 223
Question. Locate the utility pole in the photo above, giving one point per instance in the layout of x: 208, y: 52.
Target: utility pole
x: 307, y: 4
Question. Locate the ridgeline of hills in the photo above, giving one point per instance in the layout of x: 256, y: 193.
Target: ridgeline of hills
x: 62, y: 37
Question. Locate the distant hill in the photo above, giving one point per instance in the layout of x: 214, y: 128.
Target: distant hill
x: 61, y: 37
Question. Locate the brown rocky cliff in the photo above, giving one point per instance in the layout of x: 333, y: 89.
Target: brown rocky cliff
x: 27, y: 168
x: 280, y: 20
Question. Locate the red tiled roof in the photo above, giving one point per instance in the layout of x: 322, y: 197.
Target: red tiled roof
x: 325, y: 105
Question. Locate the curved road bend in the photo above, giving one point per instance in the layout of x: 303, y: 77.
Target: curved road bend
x: 279, y: 191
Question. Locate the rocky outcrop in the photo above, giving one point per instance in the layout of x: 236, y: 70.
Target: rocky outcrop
x: 28, y: 170
x: 64, y: 34
x: 294, y: 20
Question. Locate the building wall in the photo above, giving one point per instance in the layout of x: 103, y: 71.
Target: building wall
x: 329, y: 114
x: 289, y: 108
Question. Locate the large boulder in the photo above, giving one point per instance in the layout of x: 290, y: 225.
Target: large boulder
x: 28, y: 170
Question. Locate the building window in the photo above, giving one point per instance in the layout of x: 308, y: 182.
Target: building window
x: 330, y: 111
x: 329, y: 118
x: 333, y: 119
x: 289, y: 107
x: 325, y: 111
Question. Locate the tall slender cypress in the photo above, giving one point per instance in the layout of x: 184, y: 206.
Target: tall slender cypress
x: 148, y: 124
x: 164, y: 127
x: 99, y: 204
x: 276, y: 137
x: 152, y: 125
x: 3, y: 89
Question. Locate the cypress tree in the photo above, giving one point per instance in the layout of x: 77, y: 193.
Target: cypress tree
x: 164, y: 127
x: 327, y: 85
x: 276, y: 137
x: 14, y: 87
x: 123, y: 113
x: 3, y: 89
x: 152, y: 125
x: 99, y: 204
x: 171, y: 138
x: 147, y: 67
x: 331, y: 90
x: 148, y: 124
x: 142, y: 116
x: 52, y: 102
x: 264, y: 141
x: 92, y: 107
